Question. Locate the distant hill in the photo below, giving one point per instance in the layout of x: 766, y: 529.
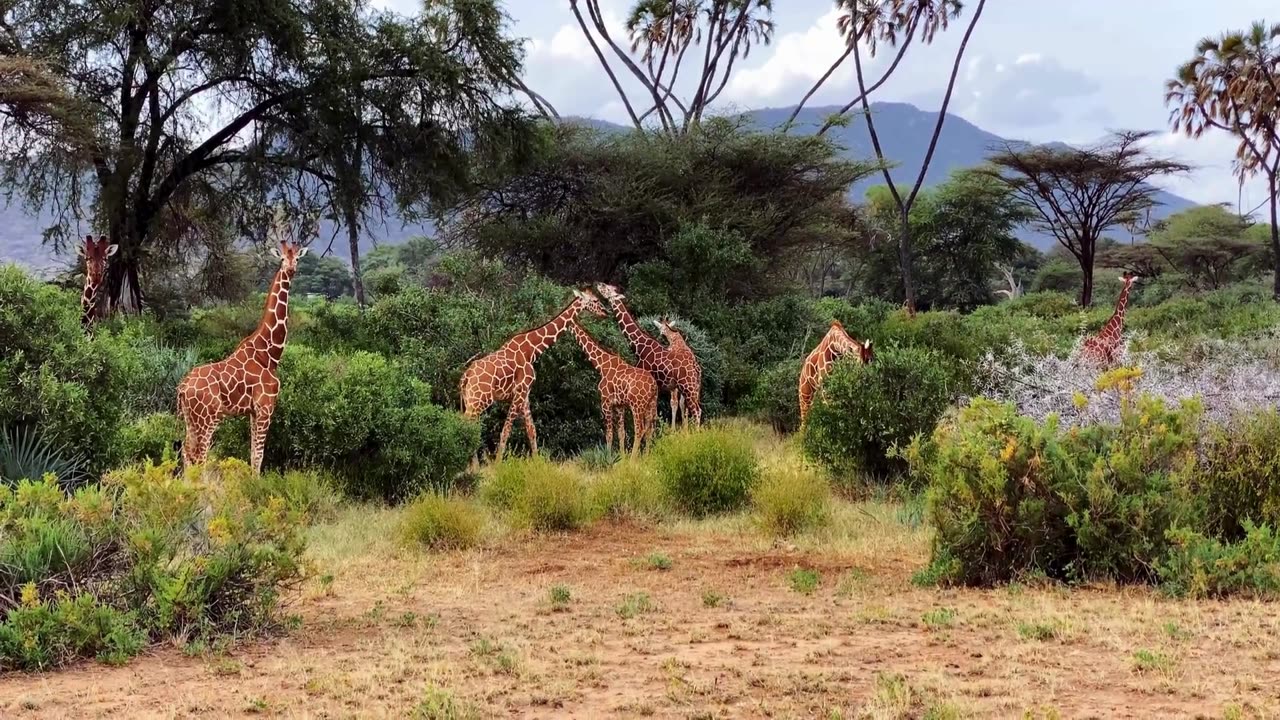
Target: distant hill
x: 904, y: 134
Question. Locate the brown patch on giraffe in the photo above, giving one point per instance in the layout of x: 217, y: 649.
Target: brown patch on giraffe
x: 93, y: 306
x: 1100, y: 350
x: 246, y: 382
x: 507, y: 374
x: 834, y: 345
x: 622, y: 386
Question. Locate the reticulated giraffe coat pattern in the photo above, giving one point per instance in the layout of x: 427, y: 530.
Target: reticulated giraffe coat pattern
x: 834, y: 345
x: 687, y: 374
x: 651, y: 355
x: 507, y: 374
x: 622, y: 386
x: 246, y: 382
x: 93, y: 303
x: 1101, y: 348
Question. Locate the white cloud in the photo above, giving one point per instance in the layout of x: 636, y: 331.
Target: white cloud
x: 797, y: 59
x: 1211, y: 179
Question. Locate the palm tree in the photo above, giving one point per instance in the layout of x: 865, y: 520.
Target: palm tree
x: 1233, y: 84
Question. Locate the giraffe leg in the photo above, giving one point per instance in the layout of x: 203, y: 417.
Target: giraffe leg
x: 608, y: 425
x: 621, y: 415
x: 203, y: 439
x: 259, y: 424
x: 638, y: 428
x: 506, y: 433
x: 531, y: 431
x: 675, y: 406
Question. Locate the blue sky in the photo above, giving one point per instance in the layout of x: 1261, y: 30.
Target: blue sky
x: 1033, y: 70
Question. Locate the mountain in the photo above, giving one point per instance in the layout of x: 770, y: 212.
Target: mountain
x: 904, y: 135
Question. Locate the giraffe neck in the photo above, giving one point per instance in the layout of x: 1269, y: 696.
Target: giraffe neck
x: 89, y: 298
x: 541, y: 338
x: 596, y: 354
x: 1117, y: 318
x: 274, y: 327
x: 642, y: 341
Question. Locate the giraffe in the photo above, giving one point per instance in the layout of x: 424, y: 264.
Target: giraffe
x: 687, y: 374
x: 1101, y: 348
x: 95, y: 254
x: 834, y: 345
x: 507, y: 374
x: 622, y: 386
x: 247, y: 381
x: 651, y: 355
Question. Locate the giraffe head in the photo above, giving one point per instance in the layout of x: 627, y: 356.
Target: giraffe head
x: 865, y: 353
x: 588, y: 303
x: 610, y: 293
x: 95, y: 254
x: 288, y: 246
x: 1129, y: 278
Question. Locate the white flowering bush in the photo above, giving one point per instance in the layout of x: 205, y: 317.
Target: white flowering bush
x: 1227, y: 376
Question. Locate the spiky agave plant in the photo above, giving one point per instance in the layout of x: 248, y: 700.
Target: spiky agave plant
x: 26, y: 454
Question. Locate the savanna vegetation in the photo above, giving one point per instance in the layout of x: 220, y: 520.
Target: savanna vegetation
x: 975, y: 494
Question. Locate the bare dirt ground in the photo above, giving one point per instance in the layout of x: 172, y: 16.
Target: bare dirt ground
x: 721, y: 633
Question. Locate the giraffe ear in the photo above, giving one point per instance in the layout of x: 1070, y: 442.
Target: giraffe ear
x: 302, y: 253
x: 275, y: 252
x: 111, y: 250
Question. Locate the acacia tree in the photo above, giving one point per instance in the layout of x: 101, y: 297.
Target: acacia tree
x: 1078, y: 194
x: 229, y: 94
x: 1233, y: 84
x: 719, y: 32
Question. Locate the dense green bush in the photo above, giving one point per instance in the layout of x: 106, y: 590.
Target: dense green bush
x: 442, y: 522
x: 154, y: 438
x: 706, y: 471
x: 1009, y: 495
x: 363, y: 419
x: 791, y: 499
x: 864, y: 411
x: 41, y: 633
x: 151, y: 554
x: 65, y: 385
x: 1203, y: 567
x: 630, y: 490
x: 1238, y: 476
x: 775, y: 400
x: 538, y: 494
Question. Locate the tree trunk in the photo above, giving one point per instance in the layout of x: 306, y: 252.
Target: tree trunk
x: 124, y: 291
x: 353, y: 238
x: 904, y: 261
x: 1086, y: 275
x: 1275, y: 237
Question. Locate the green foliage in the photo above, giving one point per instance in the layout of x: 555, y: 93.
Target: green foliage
x: 66, y: 385
x: 442, y: 522
x: 538, y: 494
x: 1210, y: 246
x: 25, y: 454
x: 864, y: 411
x: 38, y: 634
x: 791, y: 499
x: 153, y: 438
x: 960, y: 230
x: 326, y: 276
x: 152, y: 555
x: 804, y: 580
x: 598, y: 458
x: 307, y: 493
x: 364, y: 419
x: 631, y: 490
x: 1009, y: 496
x: 775, y: 399
x: 1238, y: 476
x: 1203, y: 567
x: 706, y: 471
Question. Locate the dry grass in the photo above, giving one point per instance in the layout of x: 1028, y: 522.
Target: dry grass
x: 691, y: 619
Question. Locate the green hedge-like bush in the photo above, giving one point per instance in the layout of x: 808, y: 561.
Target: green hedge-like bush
x: 1202, y: 567
x: 66, y: 386
x: 153, y: 555
x: 775, y: 400
x: 151, y: 438
x: 1008, y: 495
x: 538, y: 494
x: 707, y: 471
x: 442, y: 522
x: 363, y: 419
x: 1238, y: 476
x: 863, y: 411
x: 791, y: 499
